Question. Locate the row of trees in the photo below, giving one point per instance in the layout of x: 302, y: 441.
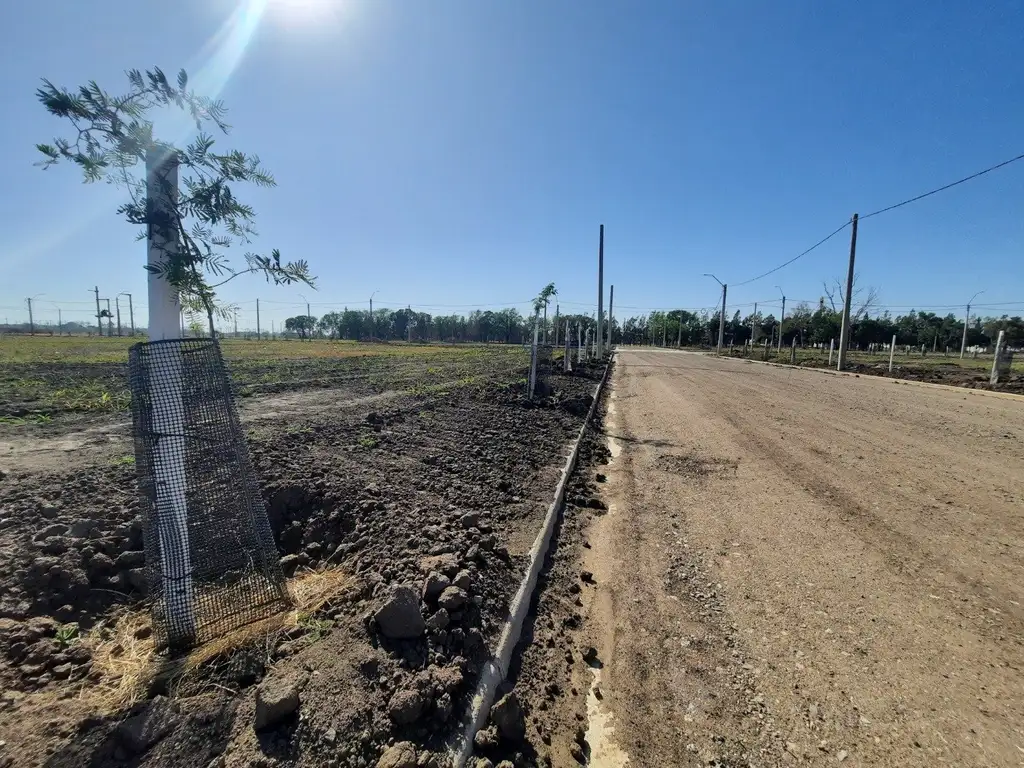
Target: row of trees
x: 818, y: 326
x: 507, y: 326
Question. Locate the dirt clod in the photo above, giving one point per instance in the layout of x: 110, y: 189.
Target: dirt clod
x: 508, y: 716
x: 452, y: 599
x: 399, y: 618
x: 277, y: 698
x: 406, y: 707
x: 400, y: 755
x: 435, y: 584
x: 158, y: 718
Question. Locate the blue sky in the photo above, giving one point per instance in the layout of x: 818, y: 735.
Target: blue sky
x: 464, y: 153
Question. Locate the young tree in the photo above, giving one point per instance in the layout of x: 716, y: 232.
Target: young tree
x: 112, y: 135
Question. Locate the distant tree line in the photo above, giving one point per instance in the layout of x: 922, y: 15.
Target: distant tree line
x: 507, y: 326
x: 817, y: 327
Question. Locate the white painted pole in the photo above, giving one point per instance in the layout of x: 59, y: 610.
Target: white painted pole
x: 566, y: 361
x: 831, y: 349
x: 994, y: 376
x: 892, y: 351
x: 168, y: 410
x: 579, y: 343
x: 533, y: 353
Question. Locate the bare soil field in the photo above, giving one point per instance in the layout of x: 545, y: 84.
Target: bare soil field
x: 437, y: 481
x: 793, y: 569
x: 935, y: 368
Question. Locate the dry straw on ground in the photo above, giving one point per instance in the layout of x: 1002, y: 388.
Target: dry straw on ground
x: 124, y: 654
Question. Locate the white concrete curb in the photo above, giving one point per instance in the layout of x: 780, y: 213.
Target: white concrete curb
x: 494, y: 672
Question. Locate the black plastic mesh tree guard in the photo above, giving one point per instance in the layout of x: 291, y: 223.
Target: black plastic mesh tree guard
x: 211, y: 562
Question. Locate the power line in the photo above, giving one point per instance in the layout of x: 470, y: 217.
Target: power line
x: 908, y: 201
x: 942, y: 189
x: 798, y: 256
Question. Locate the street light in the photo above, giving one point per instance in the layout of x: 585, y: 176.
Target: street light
x: 721, y: 321
x: 783, y: 318
x: 967, y: 320
x: 60, y: 317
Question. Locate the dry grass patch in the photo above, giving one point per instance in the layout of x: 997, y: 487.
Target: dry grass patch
x: 129, y: 666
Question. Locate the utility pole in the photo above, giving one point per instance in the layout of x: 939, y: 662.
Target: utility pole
x: 99, y: 317
x: 967, y: 320
x: 117, y: 306
x: 721, y: 321
x: 31, y: 324
x: 600, y: 294
x: 753, y: 324
x: 371, y: 315
x: 783, y: 318
x: 258, y: 336
x: 679, y: 337
x: 110, y: 320
x: 60, y: 322
x: 611, y: 319
x: 844, y: 334
x: 131, y: 311
x: 236, y: 322
x: 556, y: 325
x: 664, y: 331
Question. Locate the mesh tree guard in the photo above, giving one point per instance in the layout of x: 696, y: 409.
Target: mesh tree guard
x: 211, y: 561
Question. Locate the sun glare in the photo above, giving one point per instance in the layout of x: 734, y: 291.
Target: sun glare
x: 300, y: 12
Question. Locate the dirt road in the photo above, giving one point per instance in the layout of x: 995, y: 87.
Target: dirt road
x: 799, y: 568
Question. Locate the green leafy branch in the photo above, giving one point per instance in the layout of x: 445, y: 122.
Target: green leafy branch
x: 112, y: 136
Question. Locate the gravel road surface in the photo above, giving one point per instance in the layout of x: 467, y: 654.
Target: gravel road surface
x: 799, y: 568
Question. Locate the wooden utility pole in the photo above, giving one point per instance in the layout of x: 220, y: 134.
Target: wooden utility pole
x: 556, y: 325
x: 679, y: 336
x: 753, y: 323
x: 31, y: 324
x: 117, y: 306
x: 600, y: 293
x: 258, y: 336
x: 844, y: 334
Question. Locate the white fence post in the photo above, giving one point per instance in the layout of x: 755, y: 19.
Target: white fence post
x: 999, y: 366
x: 566, y: 358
